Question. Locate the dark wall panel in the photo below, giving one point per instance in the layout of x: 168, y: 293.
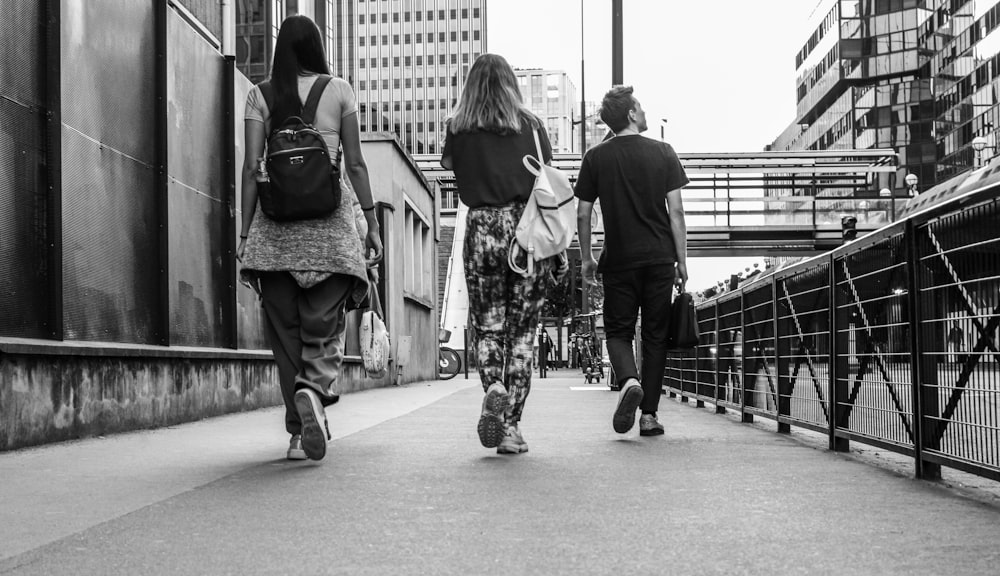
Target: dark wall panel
x: 110, y: 259
x: 24, y: 264
x: 197, y: 209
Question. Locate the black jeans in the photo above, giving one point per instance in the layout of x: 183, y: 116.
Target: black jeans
x: 627, y: 292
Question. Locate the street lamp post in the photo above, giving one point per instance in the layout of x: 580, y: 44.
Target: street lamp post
x: 978, y: 145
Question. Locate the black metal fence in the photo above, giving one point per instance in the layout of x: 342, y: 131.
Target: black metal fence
x: 890, y: 340
x: 118, y: 123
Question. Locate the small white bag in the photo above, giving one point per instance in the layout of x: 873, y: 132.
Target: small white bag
x: 547, y: 226
x: 374, y: 337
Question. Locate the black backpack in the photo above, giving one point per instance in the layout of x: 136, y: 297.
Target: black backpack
x: 301, y: 182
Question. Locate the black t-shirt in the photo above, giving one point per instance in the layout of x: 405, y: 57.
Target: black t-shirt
x: 631, y: 176
x: 489, y: 168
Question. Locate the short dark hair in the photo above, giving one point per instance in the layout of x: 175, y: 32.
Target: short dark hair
x: 617, y: 103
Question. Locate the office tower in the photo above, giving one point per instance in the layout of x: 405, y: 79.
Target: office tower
x: 917, y: 76
x: 551, y: 96
x: 407, y: 61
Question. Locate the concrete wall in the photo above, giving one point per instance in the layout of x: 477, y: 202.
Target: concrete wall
x: 52, y: 391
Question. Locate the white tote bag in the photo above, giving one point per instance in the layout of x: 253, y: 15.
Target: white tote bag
x: 373, y: 335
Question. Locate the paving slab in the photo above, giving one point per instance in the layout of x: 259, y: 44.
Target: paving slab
x: 417, y: 494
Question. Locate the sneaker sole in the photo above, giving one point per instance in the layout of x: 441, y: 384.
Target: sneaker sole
x: 624, y: 417
x: 653, y: 432
x: 313, y: 436
x: 515, y: 450
x: 491, y: 427
x: 296, y: 455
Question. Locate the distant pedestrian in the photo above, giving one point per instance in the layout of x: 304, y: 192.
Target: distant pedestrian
x: 308, y: 271
x: 638, y: 181
x: 487, y: 138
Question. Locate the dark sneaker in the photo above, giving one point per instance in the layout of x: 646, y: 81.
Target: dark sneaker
x: 315, y: 430
x: 513, y: 442
x: 628, y: 402
x: 491, y: 422
x: 295, y: 451
x: 650, y: 426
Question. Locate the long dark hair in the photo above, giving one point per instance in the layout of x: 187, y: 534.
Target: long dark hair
x: 299, y: 49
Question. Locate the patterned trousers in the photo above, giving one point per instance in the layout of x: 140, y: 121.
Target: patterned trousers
x: 504, y: 307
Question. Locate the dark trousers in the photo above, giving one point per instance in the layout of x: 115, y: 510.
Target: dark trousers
x: 305, y: 327
x: 627, y: 292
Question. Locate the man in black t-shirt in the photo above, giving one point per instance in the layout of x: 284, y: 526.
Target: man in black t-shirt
x: 638, y: 181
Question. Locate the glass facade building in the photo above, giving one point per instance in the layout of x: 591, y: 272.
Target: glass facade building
x: 916, y: 76
x: 407, y: 61
x: 551, y: 95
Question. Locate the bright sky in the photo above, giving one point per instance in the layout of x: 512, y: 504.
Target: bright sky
x: 722, y: 72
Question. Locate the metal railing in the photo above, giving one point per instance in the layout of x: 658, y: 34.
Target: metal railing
x: 890, y: 340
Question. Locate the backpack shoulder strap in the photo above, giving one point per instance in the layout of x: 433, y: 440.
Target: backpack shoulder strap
x: 267, y: 91
x: 312, y: 102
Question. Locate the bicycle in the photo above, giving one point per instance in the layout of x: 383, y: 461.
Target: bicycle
x: 449, y: 361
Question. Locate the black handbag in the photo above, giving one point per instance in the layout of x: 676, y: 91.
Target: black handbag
x: 683, y: 331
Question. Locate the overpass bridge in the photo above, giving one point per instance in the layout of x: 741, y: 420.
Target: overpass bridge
x: 776, y: 203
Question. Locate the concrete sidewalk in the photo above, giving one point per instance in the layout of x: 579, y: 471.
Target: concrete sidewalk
x: 406, y: 489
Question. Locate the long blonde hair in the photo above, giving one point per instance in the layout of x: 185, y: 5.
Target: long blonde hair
x: 491, y: 100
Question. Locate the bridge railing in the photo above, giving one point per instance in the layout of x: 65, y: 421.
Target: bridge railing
x: 890, y: 340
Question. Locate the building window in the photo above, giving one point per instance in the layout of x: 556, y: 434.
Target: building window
x: 406, y: 17
x: 420, y: 83
x: 430, y: 82
x: 441, y: 36
x: 454, y: 36
x: 374, y: 62
x: 385, y: 61
x: 465, y: 58
x: 374, y: 40
x: 418, y: 250
x: 406, y: 39
x: 465, y: 12
x: 385, y: 39
x: 419, y: 15
x: 430, y: 15
x: 361, y: 41
x: 440, y: 14
x: 475, y: 12
x: 420, y: 60
x: 441, y: 61
x: 465, y: 35
x: 475, y: 36
x: 395, y: 61
x: 395, y: 39
x: 395, y: 17
x: 408, y: 83
x: 385, y: 84
x: 420, y: 38
x: 361, y: 19
x: 453, y: 14
x: 395, y: 84
x: 407, y: 61
x: 361, y: 63
x: 385, y: 18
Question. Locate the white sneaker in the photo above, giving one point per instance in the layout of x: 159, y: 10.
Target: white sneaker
x: 295, y: 451
x: 315, y: 430
x: 628, y: 402
x: 491, y: 426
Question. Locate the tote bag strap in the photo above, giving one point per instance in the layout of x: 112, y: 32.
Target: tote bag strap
x: 374, y: 302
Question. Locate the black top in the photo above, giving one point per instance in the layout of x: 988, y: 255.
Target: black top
x: 488, y: 167
x: 631, y: 176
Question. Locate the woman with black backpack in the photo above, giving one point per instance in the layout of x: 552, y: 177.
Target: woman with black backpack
x: 309, y: 265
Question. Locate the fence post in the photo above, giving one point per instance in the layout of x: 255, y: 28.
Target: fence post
x: 745, y: 416
x: 837, y: 363
x: 923, y: 367
x: 785, y: 385
x: 718, y: 352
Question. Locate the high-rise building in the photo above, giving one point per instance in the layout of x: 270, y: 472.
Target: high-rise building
x: 917, y: 76
x: 550, y: 94
x: 407, y: 61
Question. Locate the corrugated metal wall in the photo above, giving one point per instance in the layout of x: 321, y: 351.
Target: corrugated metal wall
x: 24, y: 231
